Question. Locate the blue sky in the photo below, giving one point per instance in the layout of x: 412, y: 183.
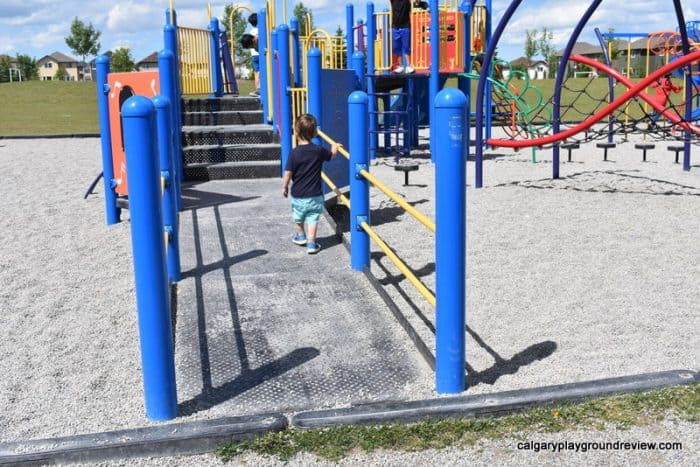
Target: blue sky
x: 38, y: 27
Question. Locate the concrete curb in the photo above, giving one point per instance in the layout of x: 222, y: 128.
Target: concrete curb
x: 490, y: 404
x: 162, y: 440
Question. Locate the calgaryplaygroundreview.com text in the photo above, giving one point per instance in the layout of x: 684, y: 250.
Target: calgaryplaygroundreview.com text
x: 587, y: 446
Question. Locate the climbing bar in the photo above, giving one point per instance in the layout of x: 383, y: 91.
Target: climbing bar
x: 384, y: 189
x: 424, y: 291
x: 343, y: 199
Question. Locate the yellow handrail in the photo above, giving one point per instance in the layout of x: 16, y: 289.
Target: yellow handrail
x: 343, y: 199
x: 384, y: 189
x: 399, y: 264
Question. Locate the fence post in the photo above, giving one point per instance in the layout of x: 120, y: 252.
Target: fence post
x: 450, y: 240
x: 296, y: 63
x: 112, y: 212
x: 170, y: 39
x: 138, y: 115
x: 170, y: 221
x: 349, y: 33
x: 274, y: 78
x: 217, y: 79
x: 359, y: 186
x: 313, y: 87
x: 358, y: 64
x: 285, y: 117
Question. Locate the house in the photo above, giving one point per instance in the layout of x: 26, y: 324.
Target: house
x: 637, y: 51
x: 74, y: 70
x: 535, y: 69
x: 148, y: 63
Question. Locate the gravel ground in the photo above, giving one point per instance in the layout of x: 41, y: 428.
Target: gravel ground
x: 590, y: 276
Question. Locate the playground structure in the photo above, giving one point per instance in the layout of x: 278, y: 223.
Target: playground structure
x: 355, y: 106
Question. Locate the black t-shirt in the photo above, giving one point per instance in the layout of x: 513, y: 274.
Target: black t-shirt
x: 400, y: 14
x: 305, y: 163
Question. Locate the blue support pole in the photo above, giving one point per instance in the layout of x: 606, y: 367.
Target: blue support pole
x: 170, y: 39
x: 482, y: 88
x: 372, y: 104
x: 685, y: 44
x: 274, y: 79
x: 358, y: 65
x: 313, y: 61
x: 349, y: 36
x: 217, y: 79
x: 296, y: 57
x: 165, y: 155
x: 264, y: 72
x: 157, y: 358
x: 450, y: 241
x: 359, y: 186
x: 434, y: 80
x: 285, y: 117
x: 112, y: 212
x: 561, y: 71
x: 487, y: 96
x: 463, y: 83
x: 168, y: 88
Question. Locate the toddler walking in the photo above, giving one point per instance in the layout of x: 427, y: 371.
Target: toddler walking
x: 303, y: 169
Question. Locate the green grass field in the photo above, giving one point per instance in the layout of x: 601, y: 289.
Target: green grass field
x: 55, y: 107
x: 65, y: 107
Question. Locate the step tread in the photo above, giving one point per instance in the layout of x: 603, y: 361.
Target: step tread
x: 257, y: 127
x: 203, y: 147
x: 232, y: 164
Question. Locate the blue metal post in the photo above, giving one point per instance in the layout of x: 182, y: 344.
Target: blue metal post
x: 313, y: 61
x: 482, y: 89
x: 165, y: 154
x: 611, y: 84
x: 358, y: 64
x: 434, y: 80
x: 682, y: 28
x: 372, y: 104
x: 170, y: 39
x: 274, y: 78
x: 285, y: 117
x: 561, y: 71
x: 112, y: 212
x: 359, y: 186
x: 264, y: 72
x: 349, y: 33
x: 296, y: 57
x: 450, y: 240
x: 138, y: 115
x: 217, y: 79
x: 464, y: 84
x: 168, y: 88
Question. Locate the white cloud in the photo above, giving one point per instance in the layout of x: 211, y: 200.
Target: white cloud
x: 133, y: 17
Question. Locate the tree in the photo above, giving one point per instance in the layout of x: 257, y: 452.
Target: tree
x: 27, y: 67
x: 122, y: 60
x: 60, y: 74
x: 305, y: 18
x: 547, y: 50
x: 239, y: 25
x: 83, y: 40
x: 4, y: 69
x: 530, y: 45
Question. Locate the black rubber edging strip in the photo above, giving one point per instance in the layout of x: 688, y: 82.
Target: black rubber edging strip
x: 421, y: 346
x: 69, y: 135
x: 483, y: 405
x: 161, y: 440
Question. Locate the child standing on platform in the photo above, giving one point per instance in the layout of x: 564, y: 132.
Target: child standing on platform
x: 401, y: 35
x: 304, y: 170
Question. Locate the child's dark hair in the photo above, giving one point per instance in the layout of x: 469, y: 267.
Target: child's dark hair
x: 305, y: 127
x: 253, y: 20
x: 247, y: 41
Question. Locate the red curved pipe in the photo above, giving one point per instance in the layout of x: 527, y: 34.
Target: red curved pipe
x: 633, y: 91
